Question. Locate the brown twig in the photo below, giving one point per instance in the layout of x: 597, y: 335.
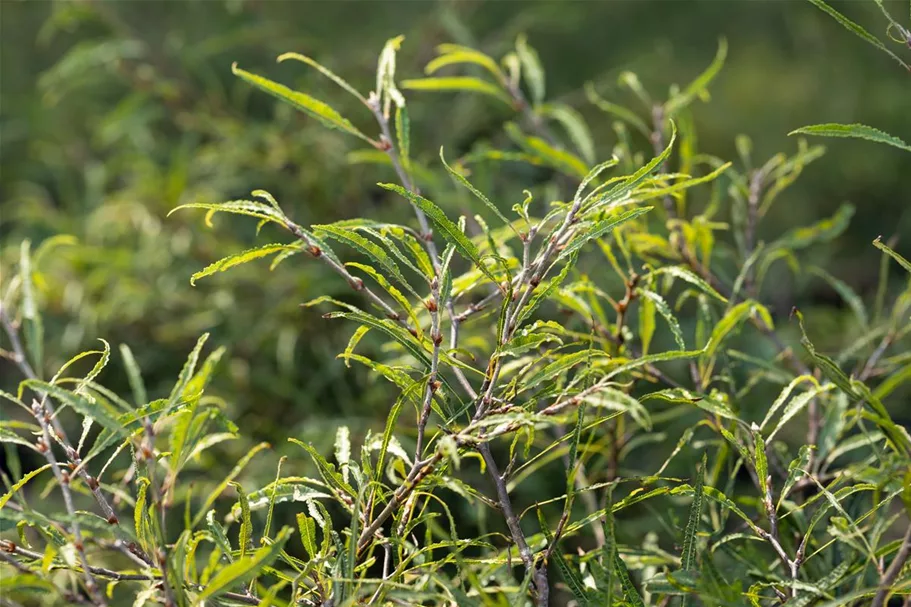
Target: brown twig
x: 888, y: 578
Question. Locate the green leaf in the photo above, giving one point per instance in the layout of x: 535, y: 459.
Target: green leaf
x: 559, y: 159
x: 450, y: 231
x: 688, y: 557
x: 762, y: 463
x: 614, y: 399
x: 327, y: 470
x: 783, y: 396
x: 627, y: 185
x: 821, y: 231
x: 226, y: 263
x: 324, y: 71
x: 390, y: 328
x: 307, y: 528
x: 245, y: 533
x: 599, y: 229
x: 858, y: 30
x: 451, y: 54
x: 658, y: 302
x: 615, y: 110
x: 901, y: 260
x: 250, y: 208
x: 134, y: 374
x: 34, y: 326
x: 795, y: 471
x: 575, y: 126
x: 690, y: 277
x: 365, y: 246
x: 848, y: 294
x: 856, y: 131
x: 477, y: 193
x: 531, y: 69
x: 731, y: 320
x: 646, y: 322
x: 98, y: 410
x: 698, y: 86
x: 303, y: 102
x: 572, y: 577
x: 244, y: 569
x: 629, y: 590
x: 29, y: 476
x: 459, y: 83
x: 560, y: 365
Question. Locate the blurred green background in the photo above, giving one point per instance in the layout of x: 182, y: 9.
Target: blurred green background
x: 113, y: 113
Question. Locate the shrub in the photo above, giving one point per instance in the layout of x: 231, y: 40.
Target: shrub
x: 600, y: 317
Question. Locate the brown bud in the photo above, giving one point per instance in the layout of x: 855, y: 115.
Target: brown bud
x: 413, y: 331
x: 112, y: 520
x: 535, y: 281
x: 64, y: 477
x: 78, y: 545
x: 427, y: 237
x: 146, y: 452
x: 431, y: 304
x: 8, y: 546
x: 92, y: 482
x: 393, y: 316
x: 356, y: 283
x: 437, y: 339
x: 315, y: 251
x: 434, y: 386
x: 41, y: 445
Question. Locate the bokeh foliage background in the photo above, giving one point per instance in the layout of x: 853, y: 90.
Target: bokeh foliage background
x: 113, y: 113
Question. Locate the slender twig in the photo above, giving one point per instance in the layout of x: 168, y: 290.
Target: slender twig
x: 75, y: 462
x: 63, y: 479
x: 538, y: 574
x: 432, y: 385
x: 418, y: 472
x: 888, y: 578
x: 7, y: 548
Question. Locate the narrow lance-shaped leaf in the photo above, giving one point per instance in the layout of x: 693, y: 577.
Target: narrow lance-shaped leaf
x: 575, y: 126
x: 324, y: 71
x: 531, y: 69
x: 698, y: 86
x: 615, y: 110
x: 15, y: 488
x: 856, y: 131
x: 477, y: 193
x: 857, y: 30
x: 305, y: 103
x: 901, y: 260
x: 365, y: 246
x: 134, y: 374
x: 34, y: 326
x: 226, y: 263
x: 661, y: 306
x: 626, y: 186
x: 250, y: 208
x: 459, y: 83
x: 451, y: 54
x: 244, y: 569
x: 688, y: 558
x: 572, y: 577
x: 599, y: 229
x: 307, y: 527
x: 450, y: 231
x: 245, y: 533
x: 97, y: 410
